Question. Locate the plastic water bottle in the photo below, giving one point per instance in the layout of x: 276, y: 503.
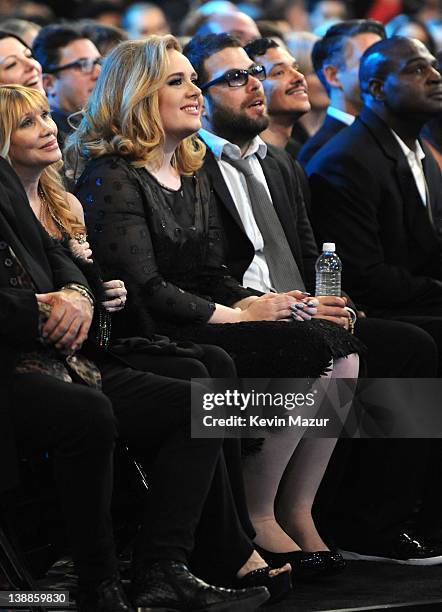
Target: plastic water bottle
x: 328, y: 271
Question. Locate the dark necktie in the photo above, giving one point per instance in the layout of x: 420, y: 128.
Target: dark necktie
x: 284, y: 271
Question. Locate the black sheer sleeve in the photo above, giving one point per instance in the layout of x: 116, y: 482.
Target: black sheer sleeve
x: 126, y: 230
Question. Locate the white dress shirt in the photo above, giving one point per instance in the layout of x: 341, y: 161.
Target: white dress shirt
x: 414, y: 159
x: 257, y: 276
x: 340, y: 115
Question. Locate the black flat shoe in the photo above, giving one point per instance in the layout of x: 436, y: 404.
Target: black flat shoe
x: 306, y: 566
x: 334, y: 562
x: 168, y: 585
x: 107, y: 596
x: 404, y: 549
x: 279, y: 586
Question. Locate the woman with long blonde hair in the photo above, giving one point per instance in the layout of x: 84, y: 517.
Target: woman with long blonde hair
x: 59, y: 211
x: 153, y: 221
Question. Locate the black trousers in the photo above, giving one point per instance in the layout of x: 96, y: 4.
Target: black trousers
x: 181, y: 496
x: 185, y: 475
x: 78, y: 425
x: 429, y: 521
x: 371, y: 487
x: 215, y: 362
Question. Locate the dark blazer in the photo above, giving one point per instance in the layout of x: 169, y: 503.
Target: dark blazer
x: 328, y: 129
x: 50, y: 268
x: 283, y: 180
x: 365, y: 199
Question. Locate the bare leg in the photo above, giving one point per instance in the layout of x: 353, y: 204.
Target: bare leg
x: 262, y: 473
x: 304, y: 474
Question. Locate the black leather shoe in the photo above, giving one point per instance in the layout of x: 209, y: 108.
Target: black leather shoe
x: 107, y: 596
x: 168, y: 585
x: 306, y: 566
x: 334, y: 562
x: 404, y: 550
x: 279, y: 586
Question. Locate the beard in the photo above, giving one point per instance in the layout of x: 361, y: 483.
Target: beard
x: 237, y: 128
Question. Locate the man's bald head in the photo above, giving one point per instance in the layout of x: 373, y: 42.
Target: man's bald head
x: 400, y: 80
x: 384, y: 57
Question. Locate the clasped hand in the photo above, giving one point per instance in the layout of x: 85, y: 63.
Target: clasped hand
x: 69, y: 320
x: 281, y: 306
x: 332, y: 308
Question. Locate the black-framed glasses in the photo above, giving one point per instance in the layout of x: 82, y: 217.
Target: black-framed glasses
x: 238, y: 77
x: 85, y: 65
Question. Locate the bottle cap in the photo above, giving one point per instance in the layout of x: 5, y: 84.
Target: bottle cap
x: 329, y: 246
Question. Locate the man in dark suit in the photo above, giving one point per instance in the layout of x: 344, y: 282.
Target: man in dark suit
x: 336, y: 58
x: 382, y: 192
x: 77, y: 423
x: 234, y: 115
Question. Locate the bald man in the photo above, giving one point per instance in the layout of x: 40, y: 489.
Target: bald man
x: 380, y: 189
x: 377, y: 193
x: 236, y: 23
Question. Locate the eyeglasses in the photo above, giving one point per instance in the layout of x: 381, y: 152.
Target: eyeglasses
x: 85, y: 65
x: 238, y: 77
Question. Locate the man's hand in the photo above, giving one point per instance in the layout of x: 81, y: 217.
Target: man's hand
x: 69, y: 320
x: 332, y: 308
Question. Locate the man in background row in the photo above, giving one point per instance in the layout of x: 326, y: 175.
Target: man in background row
x: 336, y: 61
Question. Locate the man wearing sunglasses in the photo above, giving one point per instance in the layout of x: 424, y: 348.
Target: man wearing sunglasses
x: 234, y: 114
x: 71, y: 65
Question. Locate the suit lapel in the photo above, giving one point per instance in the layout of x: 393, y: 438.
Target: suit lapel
x: 219, y: 186
x: 433, y: 177
x: 284, y: 208
x: 19, y: 227
x: 415, y: 213
x: 333, y: 126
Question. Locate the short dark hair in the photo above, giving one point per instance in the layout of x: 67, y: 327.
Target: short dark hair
x: 331, y: 48
x: 259, y: 46
x: 50, y: 40
x: 104, y: 36
x: 200, y: 48
x: 99, y: 7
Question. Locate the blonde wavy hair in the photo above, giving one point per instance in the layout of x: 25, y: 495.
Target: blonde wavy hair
x: 122, y: 115
x: 15, y: 102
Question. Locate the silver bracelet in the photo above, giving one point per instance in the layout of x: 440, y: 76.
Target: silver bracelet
x: 81, y: 289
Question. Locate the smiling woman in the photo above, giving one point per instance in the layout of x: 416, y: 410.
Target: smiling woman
x: 153, y: 221
x: 17, y: 64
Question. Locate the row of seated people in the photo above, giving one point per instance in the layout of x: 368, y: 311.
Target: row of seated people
x: 30, y: 137
x: 174, y: 235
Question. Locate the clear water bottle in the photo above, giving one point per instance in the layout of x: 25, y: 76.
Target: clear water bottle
x: 328, y: 271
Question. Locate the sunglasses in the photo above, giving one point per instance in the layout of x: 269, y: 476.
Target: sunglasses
x: 238, y: 77
x: 85, y: 65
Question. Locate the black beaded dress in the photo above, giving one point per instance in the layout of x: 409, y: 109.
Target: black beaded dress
x: 168, y: 247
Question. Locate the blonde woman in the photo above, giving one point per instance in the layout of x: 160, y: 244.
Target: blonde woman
x: 153, y: 222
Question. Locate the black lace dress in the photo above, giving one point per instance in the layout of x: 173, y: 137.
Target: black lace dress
x: 167, y: 246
